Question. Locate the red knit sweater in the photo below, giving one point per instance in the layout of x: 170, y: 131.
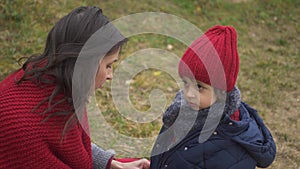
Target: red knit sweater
x: 26, y: 141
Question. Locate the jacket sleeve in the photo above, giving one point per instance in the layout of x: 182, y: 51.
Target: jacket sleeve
x: 101, y: 158
x: 268, y: 151
x: 258, y: 140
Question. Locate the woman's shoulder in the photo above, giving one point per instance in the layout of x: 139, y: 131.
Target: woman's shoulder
x: 9, y: 81
x: 19, y: 101
x: 27, y: 89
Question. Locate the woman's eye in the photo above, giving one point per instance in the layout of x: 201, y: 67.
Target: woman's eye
x: 108, y: 66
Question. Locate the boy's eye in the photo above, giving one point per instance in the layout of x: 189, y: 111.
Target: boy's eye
x: 199, y: 86
x: 185, y: 83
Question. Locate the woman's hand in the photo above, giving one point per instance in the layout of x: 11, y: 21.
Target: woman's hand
x: 139, y: 164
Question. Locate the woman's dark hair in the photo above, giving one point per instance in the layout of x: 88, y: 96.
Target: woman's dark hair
x: 56, y: 64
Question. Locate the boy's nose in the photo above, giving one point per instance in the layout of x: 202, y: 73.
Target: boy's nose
x: 190, y: 92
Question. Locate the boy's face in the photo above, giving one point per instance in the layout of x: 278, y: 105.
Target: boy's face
x: 197, y: 94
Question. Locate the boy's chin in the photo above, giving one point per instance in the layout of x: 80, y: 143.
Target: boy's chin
x: 195, y: 108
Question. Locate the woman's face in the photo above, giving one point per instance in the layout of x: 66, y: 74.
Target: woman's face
x: 197, y: 94
x: 105, y: 69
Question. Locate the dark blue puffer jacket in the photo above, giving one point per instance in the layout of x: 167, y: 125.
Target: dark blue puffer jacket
x: 242, y: 144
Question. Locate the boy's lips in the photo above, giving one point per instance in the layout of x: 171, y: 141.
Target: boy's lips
x: 192, y: 104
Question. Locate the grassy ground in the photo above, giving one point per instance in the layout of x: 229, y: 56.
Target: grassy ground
x: 268, y: 46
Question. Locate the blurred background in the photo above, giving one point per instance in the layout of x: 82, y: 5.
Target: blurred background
x: 268, y: 41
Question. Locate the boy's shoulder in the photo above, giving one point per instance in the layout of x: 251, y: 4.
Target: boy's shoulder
x: 256, y: 138
x: 246, y: 106
x: 248, y: 111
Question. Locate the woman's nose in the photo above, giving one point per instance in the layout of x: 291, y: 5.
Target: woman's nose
x: 109, y: 75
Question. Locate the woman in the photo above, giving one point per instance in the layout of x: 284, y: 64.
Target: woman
x: 38, y: 123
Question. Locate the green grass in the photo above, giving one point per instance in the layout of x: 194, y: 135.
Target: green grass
x: 268, y: 47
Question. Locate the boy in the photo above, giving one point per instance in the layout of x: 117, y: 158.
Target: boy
x: 207, y: 125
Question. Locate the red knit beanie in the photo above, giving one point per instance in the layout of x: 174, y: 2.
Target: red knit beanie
x: 213, y: 58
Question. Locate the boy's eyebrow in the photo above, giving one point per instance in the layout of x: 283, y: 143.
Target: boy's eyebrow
x: 201, y: 83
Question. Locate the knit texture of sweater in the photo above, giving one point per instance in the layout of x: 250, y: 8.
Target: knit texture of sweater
x: 26, y: 141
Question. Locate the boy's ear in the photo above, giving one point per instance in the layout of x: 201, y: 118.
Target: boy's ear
x: 220, y: 94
